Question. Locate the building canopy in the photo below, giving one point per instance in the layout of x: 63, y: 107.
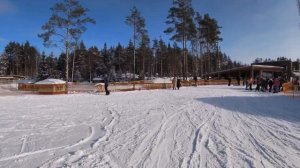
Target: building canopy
x: 247, y: 71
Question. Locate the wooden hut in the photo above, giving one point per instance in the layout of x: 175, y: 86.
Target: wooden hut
x: 27, y: 85
x: 51, y: 86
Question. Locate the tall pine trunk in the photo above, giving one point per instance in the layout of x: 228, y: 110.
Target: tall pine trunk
x: 67, y: 60
x: 73, y: 64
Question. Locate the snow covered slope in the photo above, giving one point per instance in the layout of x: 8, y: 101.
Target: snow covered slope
x: 207, y: 126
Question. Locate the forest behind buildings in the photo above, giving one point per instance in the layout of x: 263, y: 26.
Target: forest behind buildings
x: 193, y: 48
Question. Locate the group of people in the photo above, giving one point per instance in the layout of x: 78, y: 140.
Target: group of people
x: 176, y: 83
x: 264, y: 85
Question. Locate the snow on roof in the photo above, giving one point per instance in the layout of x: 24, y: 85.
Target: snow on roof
x: 102, y: 84
x: 27, y: 81
x: 162, y: 80
x: 98, y: 78
x: 6, y: 77
x: 297, y: 73
x: 51, y: 81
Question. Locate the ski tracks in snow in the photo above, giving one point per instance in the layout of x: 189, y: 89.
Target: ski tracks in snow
x: 73, y: 155
x: 168, y: 129
x: 153, y: 147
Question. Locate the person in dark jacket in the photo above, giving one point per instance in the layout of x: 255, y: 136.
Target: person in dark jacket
x: 238, y: 79
x: 258, y: 84
x: 178, y: 83
x: 229, y: 81
x: 106, y: 82
x: 264, y: 85
x: 270, y: 83
x: 195, y: 80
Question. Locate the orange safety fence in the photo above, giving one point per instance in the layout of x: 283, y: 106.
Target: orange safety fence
x: 287, y: 87
x: 291, y: 89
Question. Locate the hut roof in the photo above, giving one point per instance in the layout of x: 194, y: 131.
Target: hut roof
x: 50, y: 81
x: 297, y: 73
x: 27, y: 81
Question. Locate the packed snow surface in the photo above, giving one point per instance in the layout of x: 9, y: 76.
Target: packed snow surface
x: 207, y: 126
x: 51, y: 81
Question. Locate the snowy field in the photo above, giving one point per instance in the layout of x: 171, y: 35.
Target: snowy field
x: 207, y: 126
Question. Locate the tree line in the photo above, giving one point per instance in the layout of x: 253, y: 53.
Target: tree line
x: 87, y: 63
x: 198, y: 54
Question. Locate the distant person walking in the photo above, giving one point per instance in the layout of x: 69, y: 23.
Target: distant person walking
x: 195, y: 80
x: 174, y: 83
x: 246, y: 83
x: 238, y: 79
x: 270, y: 83
x: 250, y: 83
x: 229, y: 81
x: 258, y: 84
x: 106, y: 82
x: 178, y: 83
x: 276, y: 85
x: 264, y: 85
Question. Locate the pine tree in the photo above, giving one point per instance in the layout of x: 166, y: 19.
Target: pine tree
x: 43, y: 68
x: 61, y: 64
x: 143, y: 53
x: 209, y: 31
x: 13, y: 50
x: 162, y: 52
x: 128, y: 55
x: 106, y: 59
x: 4, y: 65
x: 138, y: 23
x: 80, y: 67
x: 65, y: 25
x: 92, y: 61
x: 29, y: 60
x: 180, y: 20
x: 119, y: 60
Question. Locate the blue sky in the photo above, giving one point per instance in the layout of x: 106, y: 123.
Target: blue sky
x: 250, y: 28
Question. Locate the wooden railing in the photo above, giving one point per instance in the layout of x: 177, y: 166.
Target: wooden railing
x: 144, y: 85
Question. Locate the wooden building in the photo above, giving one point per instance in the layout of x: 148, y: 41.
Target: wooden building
x: 248, y: 71
x: 51, y: 86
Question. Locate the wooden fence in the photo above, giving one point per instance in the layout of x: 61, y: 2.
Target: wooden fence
x: 144, y: 85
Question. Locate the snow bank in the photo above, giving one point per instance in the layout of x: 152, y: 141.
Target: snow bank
x: 50, y: 81
x: 9, y: 89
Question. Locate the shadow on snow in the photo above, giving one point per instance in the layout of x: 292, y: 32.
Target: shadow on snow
x: 277, y: 106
